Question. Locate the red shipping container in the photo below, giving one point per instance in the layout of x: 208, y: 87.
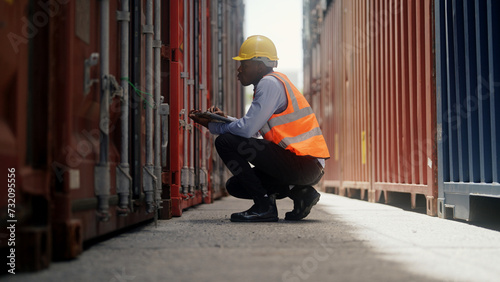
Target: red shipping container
x: 377, y: 97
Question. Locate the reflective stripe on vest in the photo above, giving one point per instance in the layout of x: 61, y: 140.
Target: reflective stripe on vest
x: 303, y: 118
x: 286, y: 119
x: 299, y: 138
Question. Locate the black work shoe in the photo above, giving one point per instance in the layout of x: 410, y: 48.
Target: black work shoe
x: 304, y: 198
x: 264, y: 210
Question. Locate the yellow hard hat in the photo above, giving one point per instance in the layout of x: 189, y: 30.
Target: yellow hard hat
x: 259, y: 48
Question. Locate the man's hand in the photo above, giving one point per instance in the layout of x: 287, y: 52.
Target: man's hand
x: 198, y: 119
x: 215, y: 110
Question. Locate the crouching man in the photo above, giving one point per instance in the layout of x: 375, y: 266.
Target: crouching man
x: 291, y: 156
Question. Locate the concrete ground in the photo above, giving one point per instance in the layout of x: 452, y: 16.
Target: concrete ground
x: 341, y: 240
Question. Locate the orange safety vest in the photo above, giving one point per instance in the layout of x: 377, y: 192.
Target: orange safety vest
x: 296, y: 128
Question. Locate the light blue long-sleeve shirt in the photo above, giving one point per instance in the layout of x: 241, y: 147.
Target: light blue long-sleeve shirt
x: 270, y: 98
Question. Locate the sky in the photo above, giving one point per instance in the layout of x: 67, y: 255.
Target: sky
x: 281, y: 21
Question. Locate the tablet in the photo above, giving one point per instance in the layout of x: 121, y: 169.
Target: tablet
x: 214, y: 117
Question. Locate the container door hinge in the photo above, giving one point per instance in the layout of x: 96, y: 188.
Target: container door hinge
x: 87, y: 81
x: 123, y: 16
x: 148, y: 29
x: 165, y: 52
x: 203, y: 182
x: 114, y: 87
x: 182, y: 122
x: 164, y: 112
x: 149, y: 183
x: 185, y: 180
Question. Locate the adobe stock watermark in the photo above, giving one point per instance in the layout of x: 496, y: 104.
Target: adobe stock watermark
x: 31, y: 26
x: 248, y: 148
x: 75, y: 156
x: 460, y: 111
x: 377, y: 22
x: 308, y: 265
x: 121, y: 277
x: 11, y: 219
x: 89, y: 140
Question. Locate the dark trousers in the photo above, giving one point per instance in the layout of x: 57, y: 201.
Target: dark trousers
x: 274, y: 167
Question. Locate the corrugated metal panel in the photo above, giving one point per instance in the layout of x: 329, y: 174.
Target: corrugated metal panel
x: 403, y: 102
x: 468, y: 76
x: 381, y: 131
x: 331, y: 107
x: 355, y: 113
